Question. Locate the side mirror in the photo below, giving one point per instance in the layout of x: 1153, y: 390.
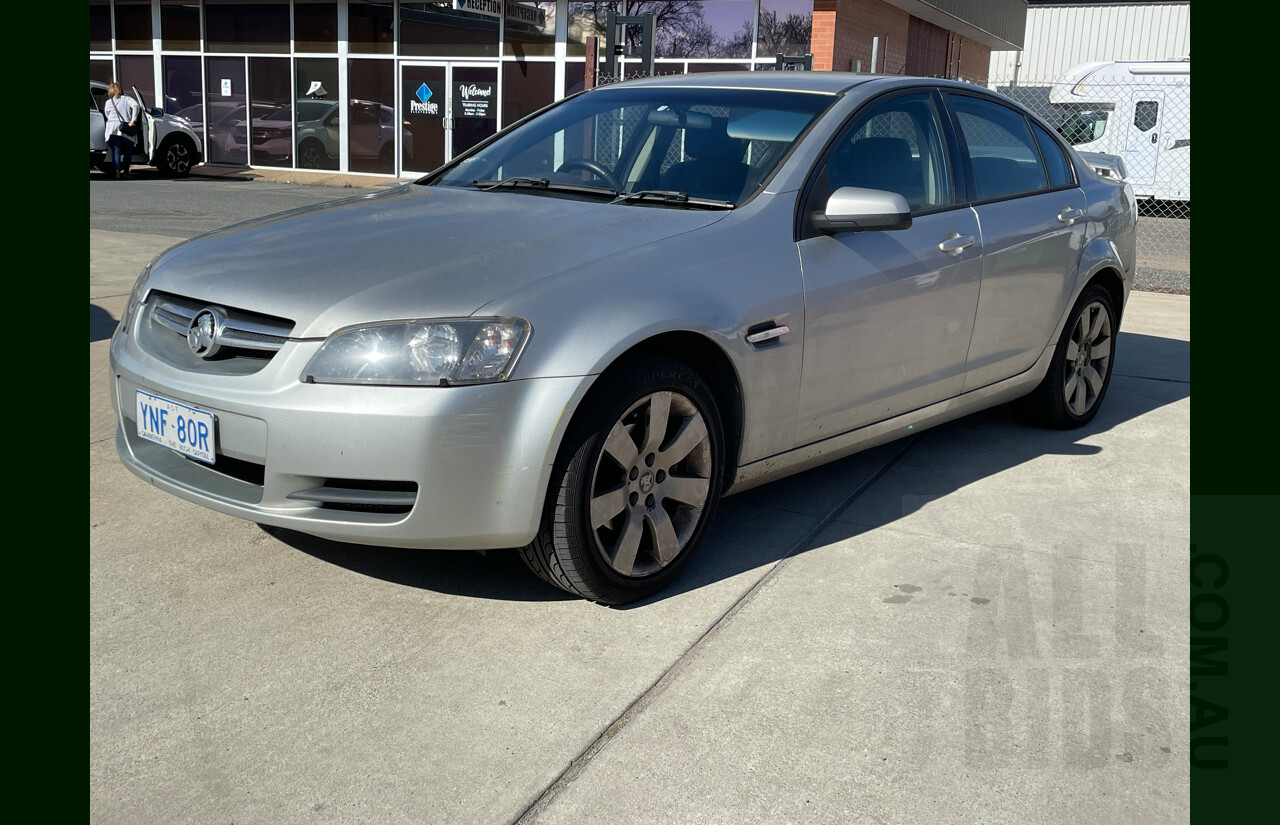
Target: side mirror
x: 853, y: 209
x: 157, y: 112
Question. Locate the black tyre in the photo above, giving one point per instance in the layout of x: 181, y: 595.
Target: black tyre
x: 312, y: 155
x: 635, y: 487
x: 1078, y: 378
x: 176, y: 157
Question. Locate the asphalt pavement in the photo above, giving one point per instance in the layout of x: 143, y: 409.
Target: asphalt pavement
x: 987, y: 622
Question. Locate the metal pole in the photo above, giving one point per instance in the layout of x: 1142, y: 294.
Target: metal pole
x: 875, y: 54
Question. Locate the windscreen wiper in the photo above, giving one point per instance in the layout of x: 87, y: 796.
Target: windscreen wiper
x: 673, y: 198
x: 544, y: 185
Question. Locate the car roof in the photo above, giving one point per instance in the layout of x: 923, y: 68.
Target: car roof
x: 821, y: 82
x: 813, y: 82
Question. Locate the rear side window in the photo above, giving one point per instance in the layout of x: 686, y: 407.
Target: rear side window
x: 1001, y: 151
x: 1054, y: 159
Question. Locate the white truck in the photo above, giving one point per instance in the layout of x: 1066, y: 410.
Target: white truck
x: 1138, y: 110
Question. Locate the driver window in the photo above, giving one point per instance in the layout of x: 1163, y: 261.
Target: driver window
x: 897, y: 146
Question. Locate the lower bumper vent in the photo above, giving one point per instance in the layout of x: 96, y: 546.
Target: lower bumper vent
x: 360, y: 495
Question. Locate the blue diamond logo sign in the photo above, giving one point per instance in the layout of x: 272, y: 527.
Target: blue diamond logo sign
x: 423, y: 93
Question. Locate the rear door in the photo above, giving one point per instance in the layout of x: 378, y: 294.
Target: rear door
x: 1032, y: 216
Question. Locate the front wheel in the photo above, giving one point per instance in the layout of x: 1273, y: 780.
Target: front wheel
x: 1078, y: 378
x: 312, y: 155
x: 176, y: 157
x: 636, y: 486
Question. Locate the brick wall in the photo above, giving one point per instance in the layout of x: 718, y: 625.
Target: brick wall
x: 975, y: 62
x: 842, y: 32
x: 843, y: 29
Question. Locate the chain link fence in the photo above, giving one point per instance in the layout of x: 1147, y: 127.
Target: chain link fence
x: 1146, y: 122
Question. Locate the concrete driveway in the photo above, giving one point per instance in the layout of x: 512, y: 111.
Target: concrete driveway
x: 988, y: 622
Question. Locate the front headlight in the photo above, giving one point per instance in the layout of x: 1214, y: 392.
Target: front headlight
x: 444, y: 351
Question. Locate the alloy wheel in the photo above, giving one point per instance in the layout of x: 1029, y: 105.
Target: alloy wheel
x: 650, y: 484
x: 1088, y: 358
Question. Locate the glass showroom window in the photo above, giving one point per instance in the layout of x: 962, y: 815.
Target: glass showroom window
x: 317, y: 113
x: 371, y: 26
x: 239, y: 26
x: 315, y: 26
x: 133, y: 25
x: 180, y: 25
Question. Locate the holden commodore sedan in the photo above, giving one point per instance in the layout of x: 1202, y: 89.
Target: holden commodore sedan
x: 577, y: 337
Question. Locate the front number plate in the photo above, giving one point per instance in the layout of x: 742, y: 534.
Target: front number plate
x: 176, y: 426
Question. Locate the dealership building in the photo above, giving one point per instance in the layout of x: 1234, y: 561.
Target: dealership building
x: 397, y: 87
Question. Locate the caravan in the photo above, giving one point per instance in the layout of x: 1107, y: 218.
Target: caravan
x: 1138, y: 110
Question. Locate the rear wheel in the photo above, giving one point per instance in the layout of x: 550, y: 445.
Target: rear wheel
x: 636, y: 486
x: 1078, y: 378
x: 176, y: 157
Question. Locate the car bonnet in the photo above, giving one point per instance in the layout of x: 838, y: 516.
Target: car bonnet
x: 410, y: 252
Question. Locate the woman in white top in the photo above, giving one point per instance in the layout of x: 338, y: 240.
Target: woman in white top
x: 119, y: 110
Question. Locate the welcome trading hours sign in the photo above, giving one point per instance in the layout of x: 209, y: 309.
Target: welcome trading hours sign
x: 473, y: 99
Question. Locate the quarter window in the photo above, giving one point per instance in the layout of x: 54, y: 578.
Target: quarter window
x: 1054, y: 160
x: 1002, y: 153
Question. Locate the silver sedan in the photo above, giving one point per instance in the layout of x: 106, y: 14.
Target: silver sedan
x: 577, y: 337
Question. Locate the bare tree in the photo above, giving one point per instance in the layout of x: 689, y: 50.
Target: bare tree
x: 790, y: 35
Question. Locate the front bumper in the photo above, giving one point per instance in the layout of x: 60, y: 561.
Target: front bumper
x: 480, y: 456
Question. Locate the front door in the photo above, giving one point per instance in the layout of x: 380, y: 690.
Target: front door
x: 888, y: 314
x: 447, y: 108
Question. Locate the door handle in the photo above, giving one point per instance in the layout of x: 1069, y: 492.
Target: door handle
x: 955, y: 243
x: 1069, y: 215
x: 1154, y: 136
x: 767, y: 333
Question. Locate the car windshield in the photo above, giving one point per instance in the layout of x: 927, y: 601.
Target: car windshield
x: 1084, y: 125
x: 676, y: 145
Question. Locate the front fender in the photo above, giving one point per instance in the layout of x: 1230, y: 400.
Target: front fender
x: 715, y: 282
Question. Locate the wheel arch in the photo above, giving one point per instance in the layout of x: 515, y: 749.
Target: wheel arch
x: 709, y: 361
x: 1099, y: 264
x: 173, y: 138
x: 1110, y: 279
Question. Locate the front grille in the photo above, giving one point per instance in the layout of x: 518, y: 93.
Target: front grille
x: 247, y: 340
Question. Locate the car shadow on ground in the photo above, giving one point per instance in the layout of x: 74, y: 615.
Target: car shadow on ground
x: 1151, y: 372
x: 140, y: 174
x: 101, y: 325
x: 492, y: 574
